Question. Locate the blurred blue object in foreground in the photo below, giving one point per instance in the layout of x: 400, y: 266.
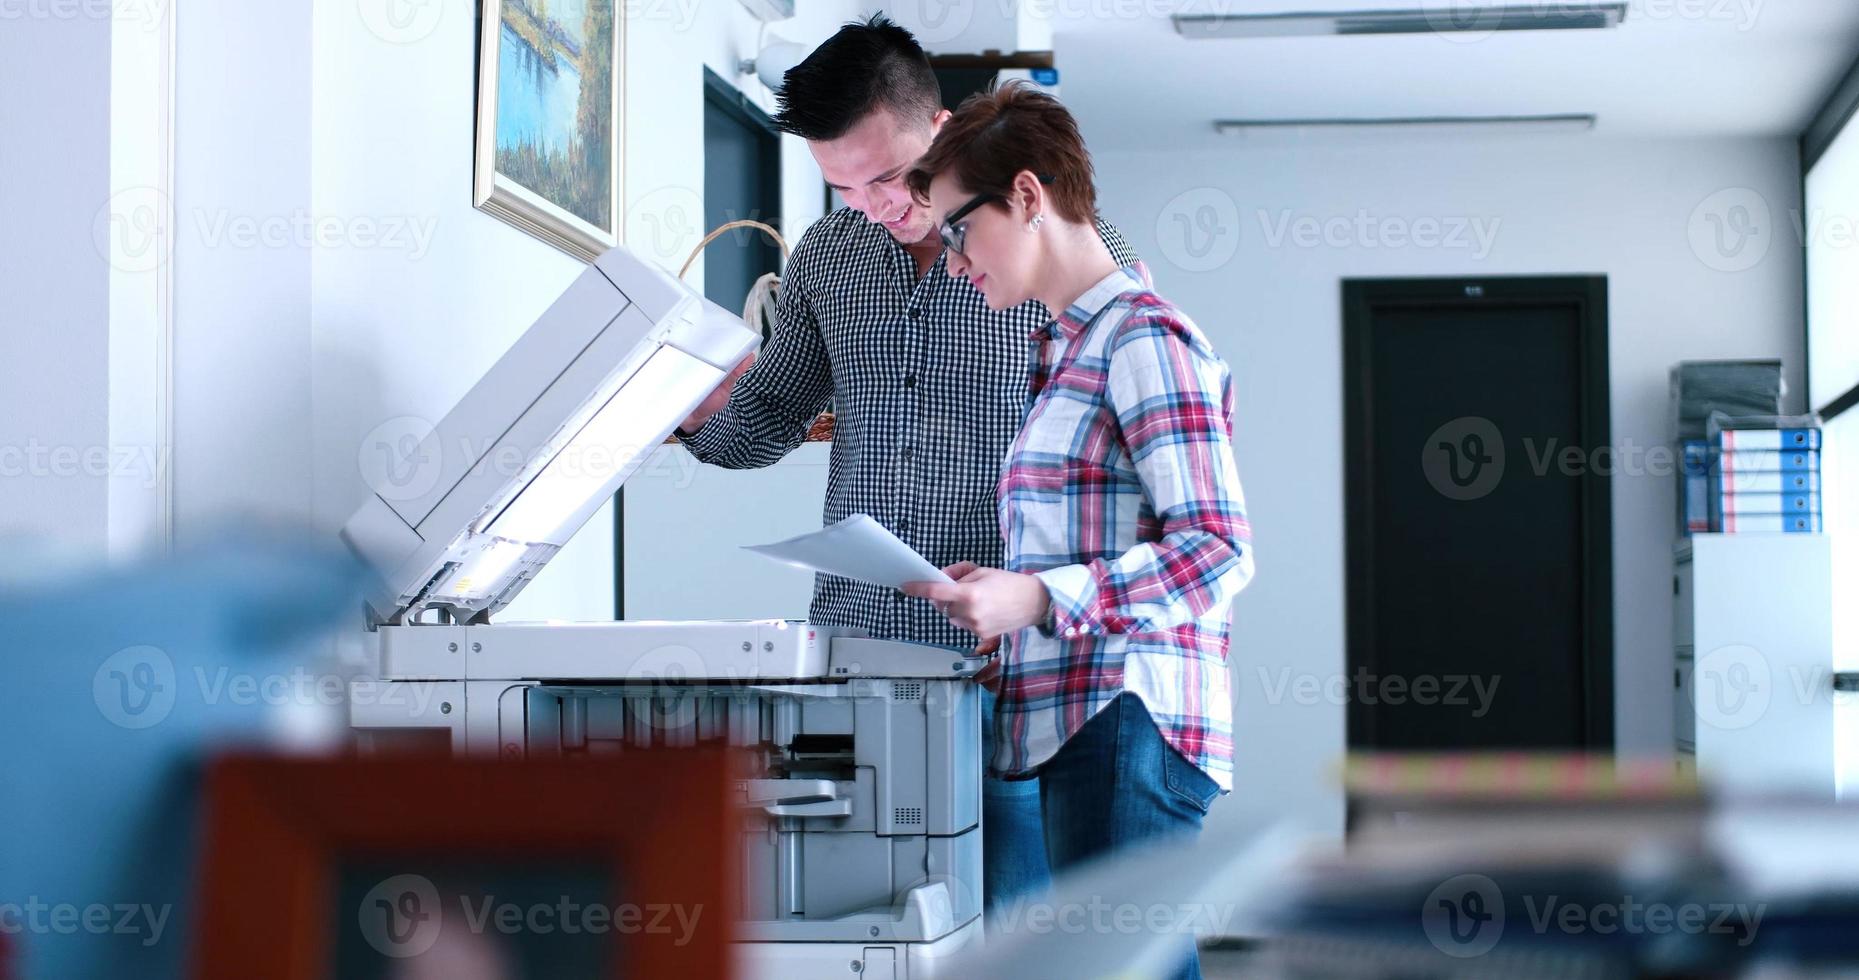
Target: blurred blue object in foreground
x: 243, y: 587
x: 114, y: 683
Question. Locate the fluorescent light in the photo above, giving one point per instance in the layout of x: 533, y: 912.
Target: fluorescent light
x: 1278, y: 131
x: 608, y: 447
x: 1449, y: 18
x: 489, y: 570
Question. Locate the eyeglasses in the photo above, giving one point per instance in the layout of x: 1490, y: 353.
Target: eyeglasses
x: 955, y: 236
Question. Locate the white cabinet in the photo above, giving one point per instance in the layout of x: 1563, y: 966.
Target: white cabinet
x: 1753, y: 676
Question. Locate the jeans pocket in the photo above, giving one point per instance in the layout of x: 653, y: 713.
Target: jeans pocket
x: 1187, y: 781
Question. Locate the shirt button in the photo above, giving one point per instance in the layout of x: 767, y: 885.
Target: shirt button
x: 1071, y: 631
x: 910, y: 381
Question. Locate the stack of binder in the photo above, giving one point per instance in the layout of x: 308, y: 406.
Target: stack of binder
x: 1699, y: 390
x: 1765, y: 477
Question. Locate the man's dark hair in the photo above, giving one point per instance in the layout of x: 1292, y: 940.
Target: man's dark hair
x: 870, y: 64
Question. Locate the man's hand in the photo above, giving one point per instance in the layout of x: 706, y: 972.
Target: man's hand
x: 986, y: 601
x: 714, y: 402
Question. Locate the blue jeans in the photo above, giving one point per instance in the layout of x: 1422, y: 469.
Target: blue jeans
x: 1116, y: 782
x: 1013, y: 835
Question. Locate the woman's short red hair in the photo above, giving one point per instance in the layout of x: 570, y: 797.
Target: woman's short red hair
x: 993, y: 136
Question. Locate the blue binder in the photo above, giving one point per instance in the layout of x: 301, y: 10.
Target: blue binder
x: 1740, y: 439
x: 1783, y: 523
x: 1772, y: 481
x: 1768, y: 460
x: 1768, y: 503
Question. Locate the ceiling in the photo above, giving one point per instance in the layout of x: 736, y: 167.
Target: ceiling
x: 1674, y: 68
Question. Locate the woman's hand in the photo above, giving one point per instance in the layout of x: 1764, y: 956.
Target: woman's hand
x: 986, y: 601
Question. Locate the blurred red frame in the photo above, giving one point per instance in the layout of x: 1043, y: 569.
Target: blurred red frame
x: 279, y: 828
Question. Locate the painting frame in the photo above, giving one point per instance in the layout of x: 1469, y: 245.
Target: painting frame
x: 503, y: 196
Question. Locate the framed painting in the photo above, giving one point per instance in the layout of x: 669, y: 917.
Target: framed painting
x: 549, y: 120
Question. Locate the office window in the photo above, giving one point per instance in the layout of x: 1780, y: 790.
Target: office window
x: 1839, y: 465
x: 1832, y: 230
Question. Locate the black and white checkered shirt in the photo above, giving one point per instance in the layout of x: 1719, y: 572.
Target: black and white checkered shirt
x: 927, y: 385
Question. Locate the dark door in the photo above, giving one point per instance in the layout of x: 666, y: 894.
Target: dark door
x: 742, y: 180
x: 1479, y: 558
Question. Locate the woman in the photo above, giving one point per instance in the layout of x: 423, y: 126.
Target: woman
x: 1125, y: 531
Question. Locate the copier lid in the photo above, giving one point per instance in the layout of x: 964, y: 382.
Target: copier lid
x: 469, y: 513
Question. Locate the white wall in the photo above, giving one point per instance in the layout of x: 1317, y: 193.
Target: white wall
x: 54, y: 318
x: 242, y: 368
x: 1557, y: 205
x: 686, y: 524
x: 403, y: 328
x: 403, y: 325
x: 330, y: 274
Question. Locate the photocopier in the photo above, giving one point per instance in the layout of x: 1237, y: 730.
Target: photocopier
x: 861, y: 782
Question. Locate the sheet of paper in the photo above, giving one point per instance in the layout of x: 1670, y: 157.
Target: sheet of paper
x: 855, y: 548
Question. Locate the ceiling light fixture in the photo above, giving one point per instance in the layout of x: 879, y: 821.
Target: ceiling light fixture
x: 1447, y: 18
x: 1330, y: 130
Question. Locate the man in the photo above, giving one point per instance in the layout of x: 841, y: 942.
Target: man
x: 927, y: 384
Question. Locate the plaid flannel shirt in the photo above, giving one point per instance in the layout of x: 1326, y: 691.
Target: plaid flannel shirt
x: 1121, y: 494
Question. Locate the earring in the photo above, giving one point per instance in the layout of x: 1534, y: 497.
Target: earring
x: 1033, y: 225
